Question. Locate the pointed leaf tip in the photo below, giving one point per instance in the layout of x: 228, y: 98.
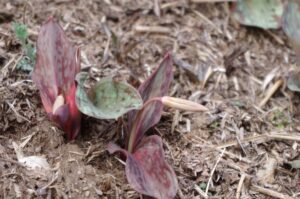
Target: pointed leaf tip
x: 107, y: 99
x: 157, y: 85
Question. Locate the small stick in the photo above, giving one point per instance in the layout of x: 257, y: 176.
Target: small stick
x: 199, y: 14
x: 248, y: 139
x: 234, y: 156
x: 172, y: 4
x: 211, y: 1
x: 241, y: 145
x: 274, y: 136
x: 121, y: 161
x: 156, y: 7
x: 213, y: 171
x: 202, y: 193
x: 275, y: 37
x: 16, y: 112
x: 270, y: 92
x: 207, y: 76
x: 269, y: 192
x: 152, y: 29
x: 4, y: 69
x: 240, y: 185
x: 280, y: 136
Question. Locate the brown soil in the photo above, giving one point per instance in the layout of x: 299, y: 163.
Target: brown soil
x: 240, y: 147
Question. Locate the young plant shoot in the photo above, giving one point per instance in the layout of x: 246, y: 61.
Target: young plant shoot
x: 146, y: 168
x: 57, y: 64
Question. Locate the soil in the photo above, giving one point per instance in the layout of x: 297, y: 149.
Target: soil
x: 241, y: 148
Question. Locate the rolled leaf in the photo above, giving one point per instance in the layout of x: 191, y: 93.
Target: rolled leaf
x: 182, y: 104
x: 148, y: 172
x: 57, y: 64
x: 157, y: 85
x: 145, y: 118
x: 259, y: 13
x: 108, y: 99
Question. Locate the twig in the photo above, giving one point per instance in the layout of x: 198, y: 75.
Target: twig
x: 241, y: 145
x: 240, y: 185
x: 270, y: 92
x: 202, y: 193
x: 275, y: 37
x: 4, y: 69
x: 16, y: 113
x: 234, y: 156
x: 269, y: 192
x: 274, y: 136
x: 211, y: 1
x: 156, y: 7
x: 16, y: 62
x: 213, y: 171
x: 245, y: 140
x: 152, y: 29
x: 50, y: 183
x: 172, y: 4
x: 199, y: 14
x: 281, y: 136
x: 121, y: 161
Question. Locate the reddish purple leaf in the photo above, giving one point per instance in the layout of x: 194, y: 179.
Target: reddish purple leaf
x: 113, y: 148
x: 157, y: 85
x: 145, y: 118
x: 148, y: 172
x: 57, y: 64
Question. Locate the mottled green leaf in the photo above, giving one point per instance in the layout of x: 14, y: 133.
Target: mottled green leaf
x: 293, y: 82
x: 291, y: 24
x: 21, y: 32
x: 108, y: 99
x: 259, y: 13
x: 295, y: 164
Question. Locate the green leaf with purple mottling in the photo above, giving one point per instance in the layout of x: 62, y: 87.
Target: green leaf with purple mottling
x: 291, y: 25
x: 259, y: 13
x: 108, y: 99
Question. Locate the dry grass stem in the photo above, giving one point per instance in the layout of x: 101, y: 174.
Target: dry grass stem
x: 203, y: 17
x: 270, y: 92
x: 269, y: 192
x: 152, y: 29
x: 211, y: 1
x: 199, y: 191
x: 267, y: 137
x: 240, y: 185
x: 213, y: 171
